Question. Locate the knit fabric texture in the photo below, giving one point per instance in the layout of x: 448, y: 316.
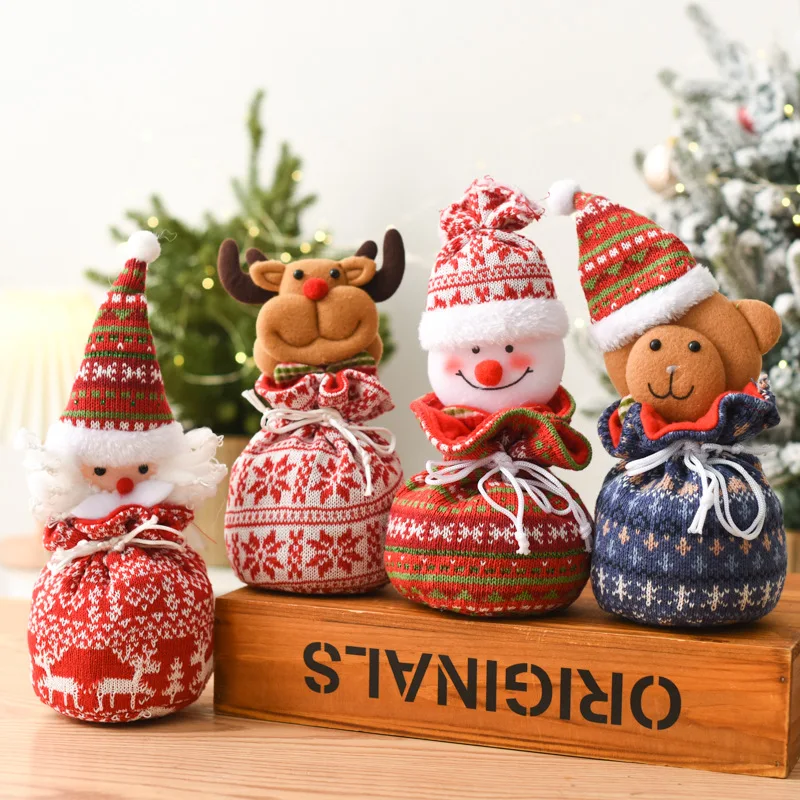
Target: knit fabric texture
x: 299, y: 518
x: 122, y: 636
x: 623, y: 254
x: 646, y: 566
x: 119, y: 384
x: 448, y: 548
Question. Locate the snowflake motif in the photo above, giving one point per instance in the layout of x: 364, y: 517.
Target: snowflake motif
x: 334, y: 553
x: 261, y: 554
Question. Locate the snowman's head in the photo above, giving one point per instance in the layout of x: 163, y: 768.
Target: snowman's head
x: 497, y: 376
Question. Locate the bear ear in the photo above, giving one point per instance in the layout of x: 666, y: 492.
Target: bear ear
x: 763, y: 320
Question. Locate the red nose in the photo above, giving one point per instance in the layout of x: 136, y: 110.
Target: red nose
x: 315, y: 288
x: 489, y: 372
x: 124, y: 485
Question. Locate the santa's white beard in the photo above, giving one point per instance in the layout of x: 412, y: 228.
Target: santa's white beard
x: 58, y: 489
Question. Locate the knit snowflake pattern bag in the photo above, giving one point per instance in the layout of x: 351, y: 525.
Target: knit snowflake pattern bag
x: 310, y: 495
x: 490, y: 531
x: 689, y: 531
x: 121, y: 633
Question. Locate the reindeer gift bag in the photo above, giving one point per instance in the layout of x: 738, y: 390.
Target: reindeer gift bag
x: 689, y: 531
x: 490, y: 530
x: 122, y: 617
x: 310, y: 495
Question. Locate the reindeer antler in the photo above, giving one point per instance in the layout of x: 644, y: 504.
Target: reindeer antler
x: 388, y: 278
x: 238, y: 284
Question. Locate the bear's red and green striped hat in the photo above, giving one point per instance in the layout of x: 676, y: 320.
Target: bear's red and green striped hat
x: 635, y: 274
x: 118, y: 413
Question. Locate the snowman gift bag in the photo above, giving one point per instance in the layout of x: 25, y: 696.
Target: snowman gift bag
x: 489, y: 530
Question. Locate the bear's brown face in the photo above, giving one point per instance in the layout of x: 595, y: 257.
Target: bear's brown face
x: 681, y: 367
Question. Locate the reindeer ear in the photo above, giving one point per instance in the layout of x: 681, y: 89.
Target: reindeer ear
x: 359, y: 270
x: 267, y: 274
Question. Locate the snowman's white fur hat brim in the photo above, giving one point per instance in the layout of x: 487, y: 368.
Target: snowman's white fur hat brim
x: 657, y: 307
x: 494, y: 322
x: 114, y: 448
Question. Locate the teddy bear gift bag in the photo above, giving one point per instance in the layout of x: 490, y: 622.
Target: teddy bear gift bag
x: 688, y: 530
x: 490, y: 530
x: 122, y: 618
x: 309, y: 497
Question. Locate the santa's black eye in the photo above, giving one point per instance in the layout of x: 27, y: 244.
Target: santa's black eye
x: 298, y: 274
x: 99, y: 471
x: 476, y: 350
x: 143, y: 469
x: 334, y: 273
x: 655, y: 344
x: 694, y: 346
x: 509, y: 348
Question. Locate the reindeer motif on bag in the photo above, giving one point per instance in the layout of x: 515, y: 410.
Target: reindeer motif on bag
x: 64, y: 684
x: 143, y: 664
x: 330, y: 478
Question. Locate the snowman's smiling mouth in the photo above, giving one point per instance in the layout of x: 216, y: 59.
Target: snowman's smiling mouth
x: 493, y: 388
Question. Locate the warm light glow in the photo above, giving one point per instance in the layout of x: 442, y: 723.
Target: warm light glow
x: 693, y: 147
x: 286, y: 257
x: 297, y: 175
x: 305, y: 247
x: 152, y: 222
x: 208, y: 283
x: 240, y: 357
x: 178, y: 360
x: 210, y: 269
x: 796, y: 219
x: 680, y: 188
x: 579, y: 323
x: 253, y: 230
x: 788, y: 109
x: 786, y: 202
x: 783, y: 363
x: 320, y: 236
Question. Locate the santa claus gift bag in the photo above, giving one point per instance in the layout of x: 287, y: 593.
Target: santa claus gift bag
x: 689, y: 531
x: 490, y: 530
x: 309, y: 497
x: 122, y: 617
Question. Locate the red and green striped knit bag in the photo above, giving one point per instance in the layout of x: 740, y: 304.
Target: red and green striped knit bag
x: 490, y: 531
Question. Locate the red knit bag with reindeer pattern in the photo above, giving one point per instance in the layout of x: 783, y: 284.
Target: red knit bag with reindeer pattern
x: 121, y: 634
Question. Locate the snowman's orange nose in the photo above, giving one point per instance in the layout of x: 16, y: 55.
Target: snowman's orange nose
x: 489, y: 372
x: 125, y: 485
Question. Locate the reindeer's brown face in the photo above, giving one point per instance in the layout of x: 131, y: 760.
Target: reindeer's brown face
x: 315, y: 311
x: 320, y: 314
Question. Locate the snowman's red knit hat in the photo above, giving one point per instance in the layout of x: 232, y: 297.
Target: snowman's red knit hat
x: 118, y: 412
x: 635, y: 274
x: 489, y: 285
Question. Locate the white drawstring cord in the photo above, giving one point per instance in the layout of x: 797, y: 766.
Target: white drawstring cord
x: 359, y: 436
x: 441, y: 473
x: 702, y: 460
x: 61, y: 558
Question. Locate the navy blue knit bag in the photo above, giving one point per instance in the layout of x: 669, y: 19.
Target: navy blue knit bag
x: 688, y: 531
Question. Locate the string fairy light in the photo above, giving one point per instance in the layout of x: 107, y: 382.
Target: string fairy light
x: 208, y: 283
x: 178, y: 360
x: 680, y: 188
x: 240, y: 357
x: 783, y: 363
x: 320, y: 235
x: 253, y: 231
x: 305, y: 247
x: 152, y: 222
x: 286, y: 257
x: 297, y: 175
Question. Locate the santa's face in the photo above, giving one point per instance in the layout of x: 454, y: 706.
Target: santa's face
x: 122, y: 480
x: 498, y: 376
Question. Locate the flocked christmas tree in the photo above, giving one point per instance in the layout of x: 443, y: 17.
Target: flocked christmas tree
x: 203, y: 337
x: 729, y: 181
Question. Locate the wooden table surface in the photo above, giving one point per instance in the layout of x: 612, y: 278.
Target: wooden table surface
x: 196, y: 754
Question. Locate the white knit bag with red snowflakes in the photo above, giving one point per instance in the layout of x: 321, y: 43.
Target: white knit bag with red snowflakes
x: 122, y: 620
x: 309, y: 497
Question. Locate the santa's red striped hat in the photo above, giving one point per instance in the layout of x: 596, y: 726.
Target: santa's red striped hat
x: 117, y: 413
x: 490, y: 284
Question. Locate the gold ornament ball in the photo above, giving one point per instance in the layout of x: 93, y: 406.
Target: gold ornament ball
x: 657, y: 168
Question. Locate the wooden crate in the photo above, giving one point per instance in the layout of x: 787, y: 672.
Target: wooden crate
x: 579, y: 683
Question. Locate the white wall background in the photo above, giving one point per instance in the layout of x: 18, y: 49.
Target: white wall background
x: 394, y: 107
